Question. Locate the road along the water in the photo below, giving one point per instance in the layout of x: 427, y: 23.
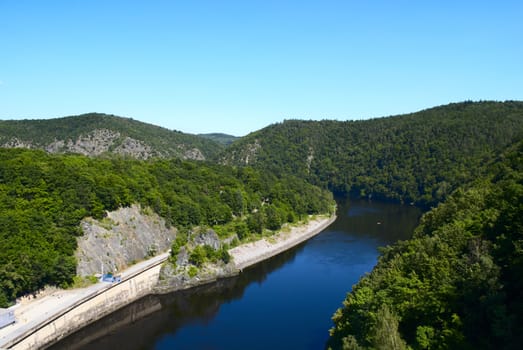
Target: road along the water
x: 43, y: 321
x: 285, y: 302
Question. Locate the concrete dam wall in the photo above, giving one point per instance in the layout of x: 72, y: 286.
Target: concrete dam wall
x: 91, y: 309
x: 64, y: 316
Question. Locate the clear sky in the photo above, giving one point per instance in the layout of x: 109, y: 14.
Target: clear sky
x: 237, y: 66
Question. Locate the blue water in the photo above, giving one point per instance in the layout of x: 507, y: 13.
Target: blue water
x: 283, y: 303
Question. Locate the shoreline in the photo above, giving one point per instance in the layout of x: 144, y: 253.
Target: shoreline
x: 46, y: 315
x: 249, y: 254
x: 244, y: 256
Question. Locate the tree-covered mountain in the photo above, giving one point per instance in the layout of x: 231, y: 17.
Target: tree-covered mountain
x: 43, y: 198
x: 457, y: 284
x: 420, y: 157
x: 224, y: 139
x: 96, y: 134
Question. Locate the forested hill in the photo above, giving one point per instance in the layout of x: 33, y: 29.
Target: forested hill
x: 43, y: 198
x: 420, y: 157
x: 457, y: 284
x: 224, y: 139
x: 96, y: 134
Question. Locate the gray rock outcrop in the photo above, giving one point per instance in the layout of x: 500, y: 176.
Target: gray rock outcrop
x: 209, y: 238
x: 175, y: 278
x: 124, y: 237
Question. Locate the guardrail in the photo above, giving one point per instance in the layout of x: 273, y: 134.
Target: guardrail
x: 18, y: 339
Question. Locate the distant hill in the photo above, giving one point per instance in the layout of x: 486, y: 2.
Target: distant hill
x: 420, y: 157
x: 95, y: 134
x: 224, y: 139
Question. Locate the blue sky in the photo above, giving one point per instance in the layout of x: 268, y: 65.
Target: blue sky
x: 237, y: 66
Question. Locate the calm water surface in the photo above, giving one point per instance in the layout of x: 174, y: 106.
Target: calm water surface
x: 284, y: 303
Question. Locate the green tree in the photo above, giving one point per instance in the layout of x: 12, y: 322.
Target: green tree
x: 198, y: 256
x: 385, y: 334
x: 273, y: 219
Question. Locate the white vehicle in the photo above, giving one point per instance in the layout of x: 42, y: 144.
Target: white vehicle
x: 7, y: 317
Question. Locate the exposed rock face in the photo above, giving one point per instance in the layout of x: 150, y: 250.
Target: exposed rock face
x: 310, y: 158
x: 57, y: 146
x: 183, y: 257
x: 126, y: 236
x: 173, y: 278
x: 134, y: 148
x: 194, y: 154
x: 209, y: 238
x: 177, y: 277
x: 245, y: 156
x: 100, y: 141
x: 252, y: 151
x: 95, y: 143
x: 17, y: 143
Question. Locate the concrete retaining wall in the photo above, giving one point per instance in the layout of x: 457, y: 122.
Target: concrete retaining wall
x: 133, y: 287
x: 93, y: 308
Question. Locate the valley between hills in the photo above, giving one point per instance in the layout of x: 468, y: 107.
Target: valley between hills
x: 454, y: 284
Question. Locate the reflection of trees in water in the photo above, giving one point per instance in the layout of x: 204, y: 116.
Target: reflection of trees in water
x: 378, y: 219
x: 140, y: 324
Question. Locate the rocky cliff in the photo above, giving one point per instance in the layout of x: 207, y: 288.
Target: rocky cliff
x: 123, y: 238
x: 95, y: 134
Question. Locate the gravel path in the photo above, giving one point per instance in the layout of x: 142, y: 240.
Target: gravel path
x: 251, y: 253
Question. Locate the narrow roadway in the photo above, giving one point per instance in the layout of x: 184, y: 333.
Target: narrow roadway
x: 35, y: 313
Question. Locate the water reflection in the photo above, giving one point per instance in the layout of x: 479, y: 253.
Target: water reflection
x: 135, y: 326
x: 284, y: 302
x: 385, y: 221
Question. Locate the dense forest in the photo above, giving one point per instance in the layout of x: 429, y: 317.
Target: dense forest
x: 163, y: 142
x: 44, y: 197
x: 220, y: 138
x: 420, y: 157
x: 457, y: 284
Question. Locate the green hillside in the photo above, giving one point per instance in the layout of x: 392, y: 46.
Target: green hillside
x: 420, y: 157
x: 43, y: 198
x: 457, y: 284
x: 223, y: 139
x: 77, y: 134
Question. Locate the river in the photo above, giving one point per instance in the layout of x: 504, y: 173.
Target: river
x: 283, y: 303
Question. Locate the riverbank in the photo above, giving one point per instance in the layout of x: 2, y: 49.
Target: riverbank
x: 252, y: 253
x: 43, y: 321
x: 174, y: 278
